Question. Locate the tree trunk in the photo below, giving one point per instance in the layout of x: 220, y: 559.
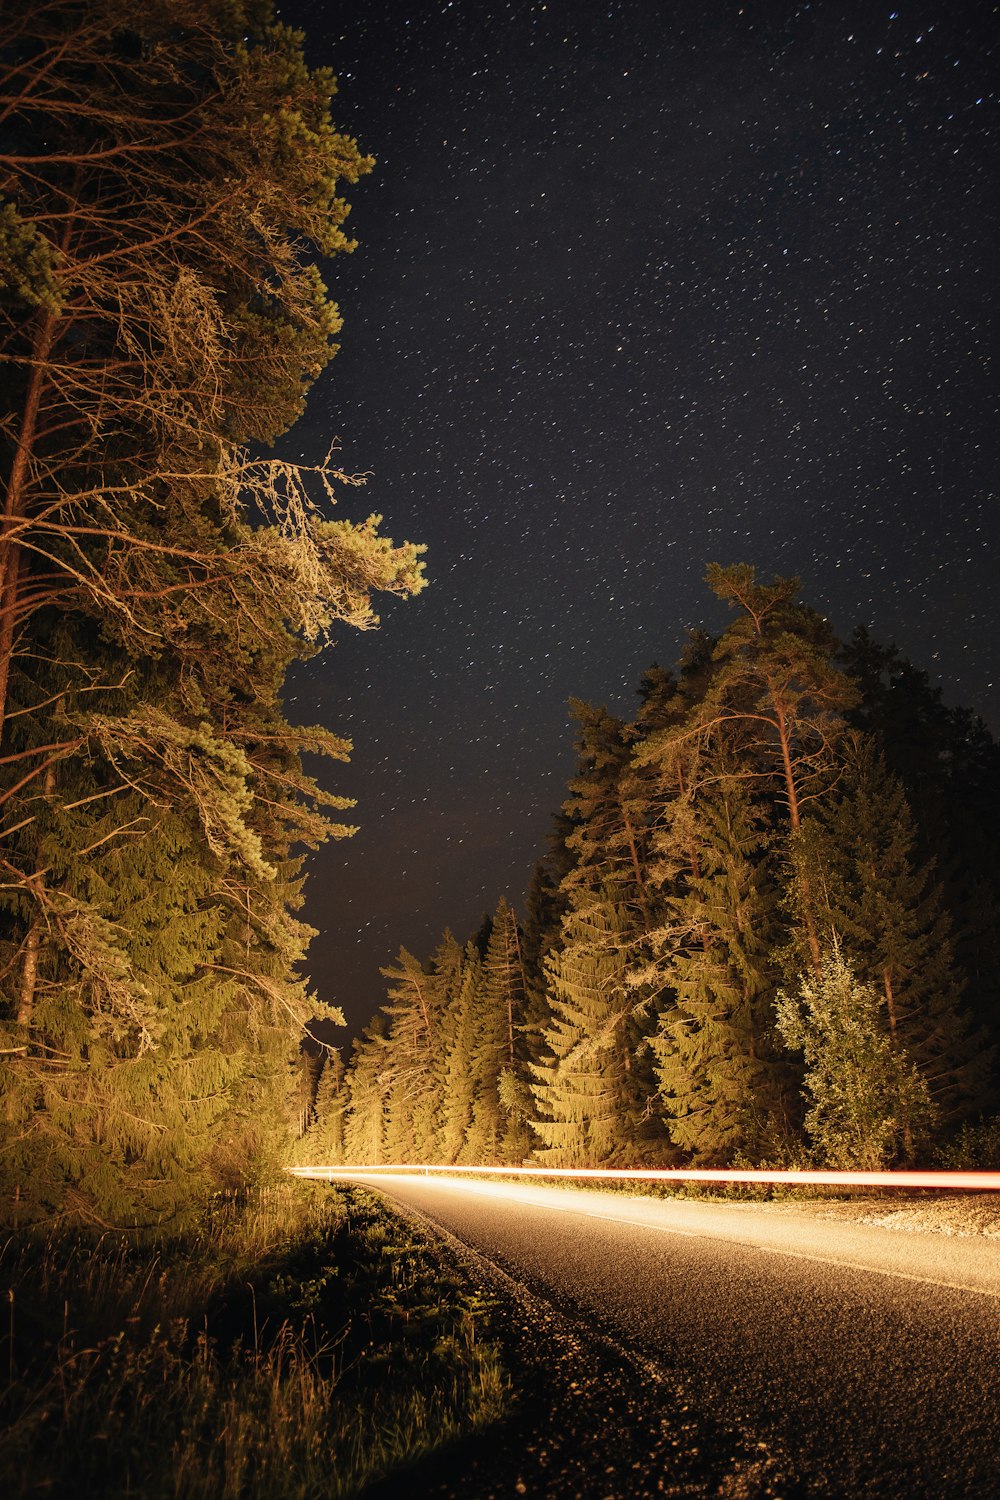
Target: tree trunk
x: 14, y: 503
x: 637, y: 869
x: 890, y: 1000
x: 510, y: 918
x: 33, y: 943
x: 796, y: 822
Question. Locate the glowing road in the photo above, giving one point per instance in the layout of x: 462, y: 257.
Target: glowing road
x: 867, y: 1358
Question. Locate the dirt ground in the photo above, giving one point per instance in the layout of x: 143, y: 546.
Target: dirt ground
x: 967, y: 1214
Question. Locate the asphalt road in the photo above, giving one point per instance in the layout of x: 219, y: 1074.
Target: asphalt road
x: 867, y: 1358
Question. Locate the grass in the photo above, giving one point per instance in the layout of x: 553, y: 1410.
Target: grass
x: 299, y: 1345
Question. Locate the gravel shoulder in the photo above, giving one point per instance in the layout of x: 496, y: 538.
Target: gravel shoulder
x: 966, y: 1215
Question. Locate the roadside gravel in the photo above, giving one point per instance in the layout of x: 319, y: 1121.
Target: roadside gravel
x: 962, y: 1214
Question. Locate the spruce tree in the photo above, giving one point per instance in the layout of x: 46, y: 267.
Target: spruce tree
x: 606, y: 834
x: 445, y: 971
x: 506, y: 991
x: 323, y: 1142
x: 727, y: 1087
x: 365, y: 1111
x: 593, y: 1085
x: 949, y: 765
x: 496, y: 1132
x: 411, y: 1043
x: 885, y: 911
x: 546, y: 903
x: 868, y: 1104
x: 459, y: 1086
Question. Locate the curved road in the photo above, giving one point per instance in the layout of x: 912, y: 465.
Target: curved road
x: 869, y: 1357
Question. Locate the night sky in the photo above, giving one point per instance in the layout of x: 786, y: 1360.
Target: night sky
x: 639, y: 286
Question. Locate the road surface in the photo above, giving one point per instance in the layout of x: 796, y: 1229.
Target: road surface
x: 868, y: 1358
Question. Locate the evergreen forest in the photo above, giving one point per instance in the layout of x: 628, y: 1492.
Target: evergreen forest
x: 764, y: 932
x: 172, y: 183
x: 766, y: 928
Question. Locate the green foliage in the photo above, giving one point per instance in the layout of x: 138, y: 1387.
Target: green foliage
x: 728, y: 1089
x: 365, y: 1112
x: 440, y: 1075
x: 27, y: 263
x: 871, y: 897
x: 545, y: 906
x: 411, y: 1099
x: 173, y: 175
x: 459, y: 1084
x: 591, y: 1085
x: 868, y: 1105
x: 323, y: 1141
x: 949, y: 766
x: 976, y: 1148
x: 496, y: 1133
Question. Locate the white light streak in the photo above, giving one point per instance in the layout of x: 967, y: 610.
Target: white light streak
x: 967, y: 1182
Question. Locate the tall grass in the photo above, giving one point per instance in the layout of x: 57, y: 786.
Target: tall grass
x: 300, y: 1345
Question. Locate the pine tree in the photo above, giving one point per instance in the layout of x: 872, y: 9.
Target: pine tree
x: 707, y: 974
x: 777, y: 685
x: 168, y: 170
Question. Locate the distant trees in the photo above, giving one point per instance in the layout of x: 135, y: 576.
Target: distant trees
x: 170, y: 175
x: 737, y: 946
x: 441, y: 1073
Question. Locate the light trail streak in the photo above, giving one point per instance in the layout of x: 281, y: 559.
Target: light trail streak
x: 968, y: 1182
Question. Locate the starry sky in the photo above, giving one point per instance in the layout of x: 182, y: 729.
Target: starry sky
x: 641, y: 284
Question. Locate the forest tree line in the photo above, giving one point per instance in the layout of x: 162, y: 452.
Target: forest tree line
x: 171, y: 178
x: 766, y: 930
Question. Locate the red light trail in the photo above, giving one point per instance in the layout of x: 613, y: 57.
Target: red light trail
x: 975, y: 1182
